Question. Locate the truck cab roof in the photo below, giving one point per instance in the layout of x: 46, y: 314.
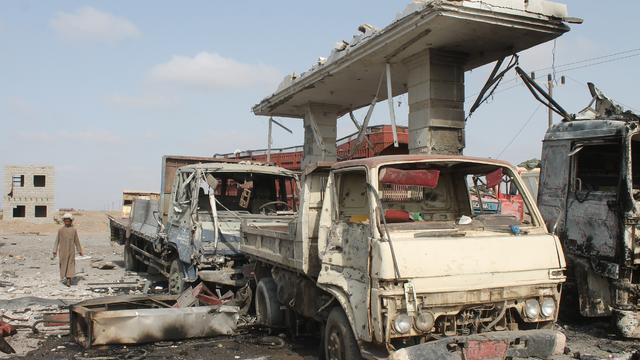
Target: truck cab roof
x: 246, y: 167
x: 378, y: 161
x: 584, y: 129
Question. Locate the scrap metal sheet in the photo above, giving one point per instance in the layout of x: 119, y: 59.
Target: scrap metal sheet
x: 96, y: 325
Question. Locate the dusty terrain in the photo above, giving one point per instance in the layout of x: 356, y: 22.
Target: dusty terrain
x: 29, y: 273
x: 29, y: 287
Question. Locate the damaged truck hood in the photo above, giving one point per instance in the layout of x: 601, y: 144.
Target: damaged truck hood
x: 467, y: 263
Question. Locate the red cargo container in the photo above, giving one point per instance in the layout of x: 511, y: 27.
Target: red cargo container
x: 380, y: 143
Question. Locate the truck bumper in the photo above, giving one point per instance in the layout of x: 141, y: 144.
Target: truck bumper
x: 492, y: 345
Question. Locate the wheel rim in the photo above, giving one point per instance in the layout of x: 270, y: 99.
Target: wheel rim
x: 334, y: 346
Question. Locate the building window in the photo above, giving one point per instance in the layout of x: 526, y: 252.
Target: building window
x: 39, y: 181
x: 17, y: 180
x: 41, y: 211
x: 19, y: 211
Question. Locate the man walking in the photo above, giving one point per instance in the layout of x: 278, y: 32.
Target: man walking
x: 67, y: 243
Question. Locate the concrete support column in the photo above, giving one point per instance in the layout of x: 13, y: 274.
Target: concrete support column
x: 320, y: 121
x: 436, y: 102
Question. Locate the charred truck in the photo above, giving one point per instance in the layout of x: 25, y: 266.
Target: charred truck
x: 193, y: 234
x: 389, y: 255
x: 589, y: 193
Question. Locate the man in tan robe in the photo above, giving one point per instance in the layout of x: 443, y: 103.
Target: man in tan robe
x: 67, y: 242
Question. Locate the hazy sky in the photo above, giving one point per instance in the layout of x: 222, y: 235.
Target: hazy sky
x: 102, y: 89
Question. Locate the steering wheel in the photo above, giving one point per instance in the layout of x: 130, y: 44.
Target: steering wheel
x: 273, y: 203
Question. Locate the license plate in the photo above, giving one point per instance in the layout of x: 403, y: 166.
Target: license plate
x: 485, y: 350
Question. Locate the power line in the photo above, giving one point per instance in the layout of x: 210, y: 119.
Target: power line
x: 519, y: 131
x: 591, y: 59
x: 589, y: 62
x: 500, y: 91
x: 599, y: 63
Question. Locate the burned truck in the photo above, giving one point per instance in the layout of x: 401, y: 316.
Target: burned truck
x: 388, y: 255
x: 589, y: 194
x: 193, y: 233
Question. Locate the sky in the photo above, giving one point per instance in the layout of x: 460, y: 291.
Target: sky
x: 102, y: 89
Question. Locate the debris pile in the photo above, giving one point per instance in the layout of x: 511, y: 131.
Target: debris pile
x: 196, y: 313
x: 28, y: 321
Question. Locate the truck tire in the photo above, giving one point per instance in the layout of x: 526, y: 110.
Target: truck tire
x: 268, y: 310
x: 339, y: 341
x: 176, y: 277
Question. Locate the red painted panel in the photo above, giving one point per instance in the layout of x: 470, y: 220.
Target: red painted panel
x: 426, y: 178
x: 485, y: 350
x: 494, y: 178
x: 397, y: 216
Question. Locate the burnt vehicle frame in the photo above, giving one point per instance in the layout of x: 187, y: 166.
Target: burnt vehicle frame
x: 191, y: 235
x: 589, y: 189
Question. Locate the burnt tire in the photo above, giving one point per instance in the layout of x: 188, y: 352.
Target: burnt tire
x: 268, y: 312
x: 176, y: 277
x: 339, y: 341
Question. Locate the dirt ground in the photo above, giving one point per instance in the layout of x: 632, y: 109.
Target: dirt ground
x: 29, y: 287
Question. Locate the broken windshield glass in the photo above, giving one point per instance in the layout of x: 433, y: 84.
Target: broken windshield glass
x: 486, y: 194
x: 251, y: 192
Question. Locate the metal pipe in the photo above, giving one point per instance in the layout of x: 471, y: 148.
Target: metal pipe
x: 269, y: 140
x: 392, y: 113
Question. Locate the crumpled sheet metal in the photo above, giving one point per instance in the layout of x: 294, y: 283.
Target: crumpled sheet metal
x: 96, y: 325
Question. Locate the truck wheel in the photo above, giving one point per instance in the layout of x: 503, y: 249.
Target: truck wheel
x: 176, y: 277
x: 339, y: 341
x: 268, y: 311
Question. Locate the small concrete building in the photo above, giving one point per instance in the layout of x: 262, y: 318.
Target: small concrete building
x: 29, y: 193
x: 129, y: 196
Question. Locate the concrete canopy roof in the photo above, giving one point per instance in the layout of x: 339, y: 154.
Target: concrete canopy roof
x: 479, y: 31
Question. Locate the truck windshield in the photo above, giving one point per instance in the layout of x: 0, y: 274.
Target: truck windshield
x: 250, y: 192
x: 450, y: 193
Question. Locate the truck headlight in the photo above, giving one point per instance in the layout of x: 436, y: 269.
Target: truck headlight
x: 532, y: 308
x: 548, y: 307
x: 402, y: 323
x: 425, y: 321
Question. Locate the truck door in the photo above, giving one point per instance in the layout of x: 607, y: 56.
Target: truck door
x: 180, y: 222
x: 593, y: 220
x: 344, y: 242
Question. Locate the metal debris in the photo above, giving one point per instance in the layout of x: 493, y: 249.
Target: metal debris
x: 144, y: 319
x: 103, y: 265
x: 6, y: 330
